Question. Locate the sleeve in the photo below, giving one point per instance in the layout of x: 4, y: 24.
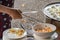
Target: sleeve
x: 8, y: 3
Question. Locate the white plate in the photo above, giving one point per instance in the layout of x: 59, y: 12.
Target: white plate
x: 54, y: 36
x: 11, y: 36
x: 46, y: 12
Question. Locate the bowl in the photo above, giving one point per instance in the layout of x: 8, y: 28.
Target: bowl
x: 11, y: 35
x: 44, y: 34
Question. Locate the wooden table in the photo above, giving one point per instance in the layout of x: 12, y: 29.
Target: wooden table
x: 58, y: 37
x: 54, y: 22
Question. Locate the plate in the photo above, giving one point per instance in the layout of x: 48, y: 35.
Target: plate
x: 52, y: 10
x: 53, y: 37
x: 13, y: 36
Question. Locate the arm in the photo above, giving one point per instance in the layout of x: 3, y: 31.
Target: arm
x: 12, y: 12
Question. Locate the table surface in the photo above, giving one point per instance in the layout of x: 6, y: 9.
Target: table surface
x: 32, y: 37
x: 58, y: 36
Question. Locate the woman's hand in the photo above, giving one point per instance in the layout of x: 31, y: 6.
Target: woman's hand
x: 12, y: 12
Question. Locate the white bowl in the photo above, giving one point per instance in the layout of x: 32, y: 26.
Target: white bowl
x: 44, y: 34
x: 13, y: 36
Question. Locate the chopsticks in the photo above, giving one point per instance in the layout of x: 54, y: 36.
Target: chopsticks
x: 22, y: 26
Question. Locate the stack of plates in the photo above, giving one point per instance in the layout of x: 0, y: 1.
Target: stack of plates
x: 53, y: 37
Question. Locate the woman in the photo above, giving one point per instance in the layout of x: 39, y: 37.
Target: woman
x: 6, y: 14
